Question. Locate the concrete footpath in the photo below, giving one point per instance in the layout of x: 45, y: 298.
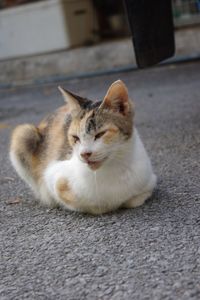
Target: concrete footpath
x: 152, y: 252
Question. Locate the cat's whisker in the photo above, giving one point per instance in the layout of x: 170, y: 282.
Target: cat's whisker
x: 116, y: 159
x: 99, y: 156
x: 125, y: 150
x: 125, y: 167
x: 96, y: 190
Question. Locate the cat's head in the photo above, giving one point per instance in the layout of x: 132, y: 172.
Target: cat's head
x: 100, y: 130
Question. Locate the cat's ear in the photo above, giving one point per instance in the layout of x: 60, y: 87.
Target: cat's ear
x: 70, y: 99
x: 117, y: 98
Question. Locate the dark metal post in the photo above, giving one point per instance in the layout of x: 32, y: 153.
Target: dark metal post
x: 151, y: 25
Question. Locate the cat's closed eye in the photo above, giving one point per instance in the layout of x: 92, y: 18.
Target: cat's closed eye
x: 99, y: 135
x: 75, y: 138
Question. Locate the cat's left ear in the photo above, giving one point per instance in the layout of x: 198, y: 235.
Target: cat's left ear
x: 72, y: 102
x: 117, y: 98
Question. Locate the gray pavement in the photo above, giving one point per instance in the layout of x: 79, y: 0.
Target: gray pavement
x: 151, y: 252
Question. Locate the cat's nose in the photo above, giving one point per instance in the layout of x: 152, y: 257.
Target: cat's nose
x: 86, y: 155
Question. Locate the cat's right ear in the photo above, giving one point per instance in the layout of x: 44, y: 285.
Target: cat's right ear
x: 117, y: 98
x: 70, y: 100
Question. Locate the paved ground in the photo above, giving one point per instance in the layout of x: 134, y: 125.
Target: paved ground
x: 150, y: 252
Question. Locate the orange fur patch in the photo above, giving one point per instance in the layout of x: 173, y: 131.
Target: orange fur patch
x: 73, y: 130
x: 64, y: 192
x: 110, y: 135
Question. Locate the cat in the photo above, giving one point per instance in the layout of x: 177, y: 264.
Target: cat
x: 87, y: 156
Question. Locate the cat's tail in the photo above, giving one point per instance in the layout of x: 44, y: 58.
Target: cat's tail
x: 24, y: 154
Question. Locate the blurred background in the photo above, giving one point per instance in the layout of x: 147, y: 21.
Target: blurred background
x: 51, y: 38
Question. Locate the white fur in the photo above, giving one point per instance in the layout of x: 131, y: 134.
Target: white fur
x: 23, y: 173
x: 41, y: 192
x: 127, y: 180
x: 118, y: 181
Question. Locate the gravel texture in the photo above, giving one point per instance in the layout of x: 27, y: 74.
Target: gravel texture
x: 151, y: 252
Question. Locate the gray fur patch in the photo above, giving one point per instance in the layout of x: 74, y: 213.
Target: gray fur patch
x: 90, y: 124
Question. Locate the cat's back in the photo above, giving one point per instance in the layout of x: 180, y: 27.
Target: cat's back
x: 53, y: 130
x: 54, y: 119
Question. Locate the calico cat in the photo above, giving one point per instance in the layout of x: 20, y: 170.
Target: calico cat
x: 87, y: 156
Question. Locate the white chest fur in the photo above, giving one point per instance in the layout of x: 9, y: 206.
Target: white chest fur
x: 114, y: 183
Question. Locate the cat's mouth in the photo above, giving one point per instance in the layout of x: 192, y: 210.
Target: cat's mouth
x: 94, y: 165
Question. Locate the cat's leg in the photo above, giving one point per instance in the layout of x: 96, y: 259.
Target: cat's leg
x: 23, y: 152
x: 58, y: 185
x: 24, y: 156
x: 137, y: 200
x: 68, y: 199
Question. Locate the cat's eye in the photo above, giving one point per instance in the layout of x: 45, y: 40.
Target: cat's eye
x: 99, y: 135
x: 75, y: 138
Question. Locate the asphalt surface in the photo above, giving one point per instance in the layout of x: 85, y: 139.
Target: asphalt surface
x: 152, y: 252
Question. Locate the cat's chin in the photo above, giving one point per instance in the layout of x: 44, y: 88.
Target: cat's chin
x: 94, y: 165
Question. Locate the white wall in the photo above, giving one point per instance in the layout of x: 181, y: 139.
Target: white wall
x: 44, y: 27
